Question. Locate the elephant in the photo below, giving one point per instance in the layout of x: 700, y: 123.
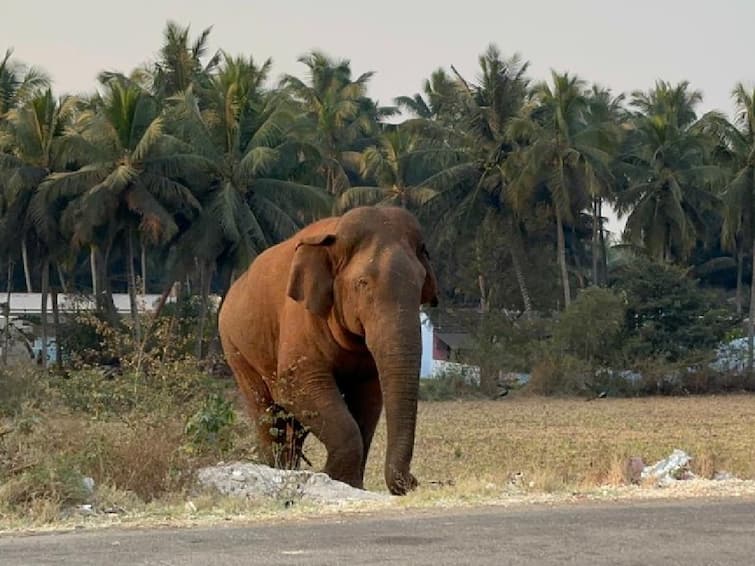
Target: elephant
x: 325, y: 327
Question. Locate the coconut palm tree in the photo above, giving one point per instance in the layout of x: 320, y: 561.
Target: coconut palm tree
x: 668, y: 173
x: 34, y: 133
x: 179, y: 65
x: 440, y: 100
x: 478, y: 180
x: 18, y: 83
x: 339, y: 118
x: 243, y: 135
x: 738, y: 199
x: 563, y: 154
x: 128, y: 181
x: 398, y: 165
x: 605, y: 114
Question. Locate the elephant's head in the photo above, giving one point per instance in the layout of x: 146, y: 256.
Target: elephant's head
x: 368, y: 277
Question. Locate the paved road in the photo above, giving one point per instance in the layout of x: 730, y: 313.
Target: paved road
x: 679, y: 532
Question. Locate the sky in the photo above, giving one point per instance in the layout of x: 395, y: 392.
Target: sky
x: 618, y: 44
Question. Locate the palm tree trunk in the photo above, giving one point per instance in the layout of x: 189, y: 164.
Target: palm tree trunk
x: 144, y: 267
x: 132, y: 285
x: 751, y: 319
x: 153, y: 322
x: 562, y: 258
x: 577, y: 261
x: 515, y: 249
x: 27, y: 271
x: 667, y: 245
x: 595, y: 243
x: 603, y: 250
x: 105, y: 283
x: 93, y: 268
x: 740, y: 270
x: 61, y: 277
x: 519, y: 274
x: 6, y: 330
x: 104, y: 295
x: 226, y: 277
x: 484, y: 305
x: 45, y: 290
x: 204, y: 283
x: 56, y: 329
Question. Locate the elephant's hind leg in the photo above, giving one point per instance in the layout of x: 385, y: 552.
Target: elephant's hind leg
x: 258, y: 401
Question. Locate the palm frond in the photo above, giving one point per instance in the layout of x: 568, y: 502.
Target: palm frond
x: 170, y: 192
x: 361, y: 196
x: 258, y: 161
x: 294, y: 197
x: 155, y: 221
x: 75, y: 183
x: 148, y: 140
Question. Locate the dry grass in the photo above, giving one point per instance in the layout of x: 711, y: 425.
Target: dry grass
x: 559, y: 444
x: 521, y: 449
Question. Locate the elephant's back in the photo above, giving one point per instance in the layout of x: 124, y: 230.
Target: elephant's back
x: 249, y: 317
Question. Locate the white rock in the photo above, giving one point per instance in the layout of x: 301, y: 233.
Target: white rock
x: 667, y: 470
x: 259, y: 481
x: 88, y: 484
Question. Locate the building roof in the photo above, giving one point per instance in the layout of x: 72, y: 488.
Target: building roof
x: 31, y: 303
x: 454, y: 340
x: 454, y: 320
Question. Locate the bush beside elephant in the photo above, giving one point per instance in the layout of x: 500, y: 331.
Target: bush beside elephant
x: 325, y: 325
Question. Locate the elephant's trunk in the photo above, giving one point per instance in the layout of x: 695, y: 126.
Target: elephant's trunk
x: 396, y: 345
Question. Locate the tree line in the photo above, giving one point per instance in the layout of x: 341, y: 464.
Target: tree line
x: 184, y: 169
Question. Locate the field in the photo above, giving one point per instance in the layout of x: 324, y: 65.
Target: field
x: 521, y: 448
x: 566, y: 444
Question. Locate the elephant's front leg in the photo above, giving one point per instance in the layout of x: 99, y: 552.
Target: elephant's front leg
x: 313, y: 397
x: 365, y: 401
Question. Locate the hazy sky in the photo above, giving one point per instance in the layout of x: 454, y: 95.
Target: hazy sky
x: 622, y: 45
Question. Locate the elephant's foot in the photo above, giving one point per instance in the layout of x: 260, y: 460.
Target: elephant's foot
x: 400, y: 483
x: 345, y: 463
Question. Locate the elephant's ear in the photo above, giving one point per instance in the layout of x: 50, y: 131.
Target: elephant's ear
x: 310, y: 281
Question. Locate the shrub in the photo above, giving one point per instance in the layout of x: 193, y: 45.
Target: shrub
x: 591, y: 327
x: 561, y: 375
x: 55, y: 479
x: 668, y: 315
x: 210, y: 426
x: 143, y: 457
x: 447, y: 385
x: 18, y: 387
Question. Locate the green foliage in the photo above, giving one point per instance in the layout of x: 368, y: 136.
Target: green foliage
x: 561, y: 375
x: 592, y: 326
x: 667, y: 314
x: 139, y: 434
x: 55, y: 480
x: 87, y: 339
x: 164, y: 388
x: 503, y: 343
x: 448, y: 385
x: 211, y: 424
x: 16, y: 388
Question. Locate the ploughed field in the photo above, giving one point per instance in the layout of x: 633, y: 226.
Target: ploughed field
x: 554, y: 444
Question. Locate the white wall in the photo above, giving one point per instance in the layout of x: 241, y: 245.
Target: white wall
x: 427, y: 345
